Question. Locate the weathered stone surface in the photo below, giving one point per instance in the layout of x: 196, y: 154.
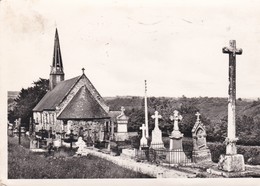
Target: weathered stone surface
x: 200, y: 151
x: 232, y: 163
x: 81, y: 144
x: 143, y: 141
x: 156, y: 142
x: 201, y: 155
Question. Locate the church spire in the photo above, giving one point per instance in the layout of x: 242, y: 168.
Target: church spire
x: 56, y: 74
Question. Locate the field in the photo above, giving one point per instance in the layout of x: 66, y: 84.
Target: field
x: 23, y: 164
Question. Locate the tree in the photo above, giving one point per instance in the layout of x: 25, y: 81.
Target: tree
x: 27, y: 100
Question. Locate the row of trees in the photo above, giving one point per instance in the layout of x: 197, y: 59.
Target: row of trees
x: 27, y: 100
x: 247, y: 127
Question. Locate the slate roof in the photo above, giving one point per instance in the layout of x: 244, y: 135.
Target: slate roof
x: 83, y: 106
x: 55, y: 96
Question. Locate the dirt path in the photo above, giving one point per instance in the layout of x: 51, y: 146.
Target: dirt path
x: 145, y: 168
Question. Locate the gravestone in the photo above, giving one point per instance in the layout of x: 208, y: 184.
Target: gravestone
x: 143, y: 141
x: 57, y: 141
x: 175, y: 154
x: 232, y: 162
x: 34, y: 144
x: 156, y: 142
x: 81, y: 146
x: 122, y: 122
x: 200, y: 151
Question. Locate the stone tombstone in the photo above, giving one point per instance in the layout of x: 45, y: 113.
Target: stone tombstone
x: 200, y: 151
x: 122, y: 122
x: 157, y: 142
x: 81, y: 146
x: 175, y: 155
x: 143, y: 141
x: 34, y: 144
x: 57, y: 141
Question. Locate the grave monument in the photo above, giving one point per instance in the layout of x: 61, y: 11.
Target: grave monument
x: 176, y: 154
x: 200, y: 151
x: 231, y: 161
x: 143, y: 141
x: 156, y: 142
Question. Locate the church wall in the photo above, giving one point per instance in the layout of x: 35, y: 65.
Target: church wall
x: 94, y: 129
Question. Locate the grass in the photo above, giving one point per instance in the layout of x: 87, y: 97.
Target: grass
x: 24, y: 164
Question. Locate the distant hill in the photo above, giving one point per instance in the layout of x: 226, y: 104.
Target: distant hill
x: 213, y: 108
x: 11, y: 95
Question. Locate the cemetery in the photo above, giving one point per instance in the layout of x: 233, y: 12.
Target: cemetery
x: 73, y: 125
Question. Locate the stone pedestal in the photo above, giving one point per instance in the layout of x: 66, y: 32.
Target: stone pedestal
x: 201, y: 155
x: 175, y: 140
x: 157, y: 142
x: 143, y: 142
x: 175, y: 154
x: 232, y: 163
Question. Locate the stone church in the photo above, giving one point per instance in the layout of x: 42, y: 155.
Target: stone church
x: 74, y: 104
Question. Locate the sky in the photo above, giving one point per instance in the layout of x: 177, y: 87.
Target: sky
x: 175, y: 45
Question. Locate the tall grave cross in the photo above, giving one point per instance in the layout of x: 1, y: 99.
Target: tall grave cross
x: 156, y: 116
x: 232, y: 51
x: 176, y: 117
x: 231, y: 161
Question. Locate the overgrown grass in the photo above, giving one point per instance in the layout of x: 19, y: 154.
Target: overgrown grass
x: 23, y: 164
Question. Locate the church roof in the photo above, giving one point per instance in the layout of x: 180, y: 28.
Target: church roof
x: 55, y: 96
x: 83, y: 106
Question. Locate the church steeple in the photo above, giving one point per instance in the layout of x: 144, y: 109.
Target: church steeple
x: 56, y: 74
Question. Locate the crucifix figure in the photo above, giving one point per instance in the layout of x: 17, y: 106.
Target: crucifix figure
x: 176, y: 117
x: 232, y: 51
x: 198, y: 116
x: 156, y: 116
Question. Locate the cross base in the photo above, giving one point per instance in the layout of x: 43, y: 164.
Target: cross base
x: 232, y: 163
x: 231, y: 146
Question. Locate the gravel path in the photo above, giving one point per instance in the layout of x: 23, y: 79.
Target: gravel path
x: 145, y: 168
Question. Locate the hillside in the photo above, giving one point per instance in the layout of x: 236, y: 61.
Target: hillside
x: 213, y: 108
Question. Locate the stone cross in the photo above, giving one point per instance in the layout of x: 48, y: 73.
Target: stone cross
x: 156, y: 116
x: 143, y: 128
x: 122, y: 110
x: 232, y: 51
x: 17, y: 123
x: 198, y: 116
x: 176, y: 117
